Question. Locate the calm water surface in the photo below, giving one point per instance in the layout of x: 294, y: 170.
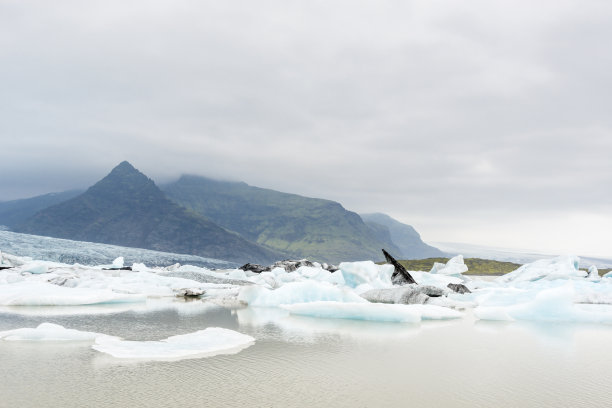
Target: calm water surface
x: 308, y: 362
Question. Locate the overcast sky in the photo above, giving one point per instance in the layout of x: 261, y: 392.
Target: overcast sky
x: 485, y: 122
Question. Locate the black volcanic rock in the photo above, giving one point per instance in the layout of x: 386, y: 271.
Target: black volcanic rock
x: 126, y: 208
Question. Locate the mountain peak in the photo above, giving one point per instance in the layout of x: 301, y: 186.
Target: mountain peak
x: 124, y: 167
x: 127, y: 208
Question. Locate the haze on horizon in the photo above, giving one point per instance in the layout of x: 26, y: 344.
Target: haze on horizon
x: 476, y: 122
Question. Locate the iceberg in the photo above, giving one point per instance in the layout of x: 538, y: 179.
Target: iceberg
x: 366, y: 272
x: 550, y: 305
x: 454, y: 266
x: 118, y: 263
x: 380, y: 312
x: 296, y: 292
x: 51, y: 332
x: 203, y: 343
x: 593, y: 273
x: 562, y: 267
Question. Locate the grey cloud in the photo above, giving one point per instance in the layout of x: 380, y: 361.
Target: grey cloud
x: 440, y: 113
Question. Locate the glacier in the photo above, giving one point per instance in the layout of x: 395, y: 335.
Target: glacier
x: 90, y: 253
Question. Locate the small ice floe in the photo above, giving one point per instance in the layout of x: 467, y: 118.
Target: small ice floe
x: 204, y: 343
x: 28, y: 293
x: 51, y: 332
x: 380, y: 312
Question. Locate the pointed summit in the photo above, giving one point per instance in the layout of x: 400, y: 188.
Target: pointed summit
x: 126, y: 208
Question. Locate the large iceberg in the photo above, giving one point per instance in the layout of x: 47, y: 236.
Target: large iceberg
x: 203, y: 343
x: 550, y: 305
x: 562, y: 267
x: 367, y: 272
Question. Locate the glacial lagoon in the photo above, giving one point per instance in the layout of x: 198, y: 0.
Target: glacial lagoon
x: 306, y: 362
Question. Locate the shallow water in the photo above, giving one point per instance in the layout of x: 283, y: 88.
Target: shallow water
x: 308, y: 362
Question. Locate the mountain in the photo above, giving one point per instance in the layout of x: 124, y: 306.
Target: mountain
x: 403, y: 236
x: 15, y: 212
x: 126, y: 208
x: 302, y: 227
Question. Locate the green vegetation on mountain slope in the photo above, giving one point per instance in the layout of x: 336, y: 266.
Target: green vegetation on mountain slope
x: 301, y: 227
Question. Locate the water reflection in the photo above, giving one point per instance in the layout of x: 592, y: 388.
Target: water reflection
x: 308, y: 362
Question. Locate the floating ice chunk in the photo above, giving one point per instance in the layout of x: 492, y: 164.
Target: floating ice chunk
x: 118, y: 263
x: 358, y: 273
x: 4, y: 262
x: 371, y: 311
x: 237, y: 274
x: 593, y: 273
x: 454, y: 266
x: 204, y: 343
x: 139, y: 267
x: 51, y: 332
x: 29, y: 293
x: 36, y: 267
x: 296, y: 292
x: 550, y: 305
x: 562, y: 267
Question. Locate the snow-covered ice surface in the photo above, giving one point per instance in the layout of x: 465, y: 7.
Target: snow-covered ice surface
x: 209, y: 342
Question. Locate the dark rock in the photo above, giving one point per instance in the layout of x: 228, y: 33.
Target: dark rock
x: 123, y: 268
x: 406, y: 295
x: 290, y: 265
x: 205, y: 278
x: 5, y: 267
x: 459, y: 288
x: 255, y: 268
x: 399, y: 270
x: 190, y: 292
x: 330, y: 268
